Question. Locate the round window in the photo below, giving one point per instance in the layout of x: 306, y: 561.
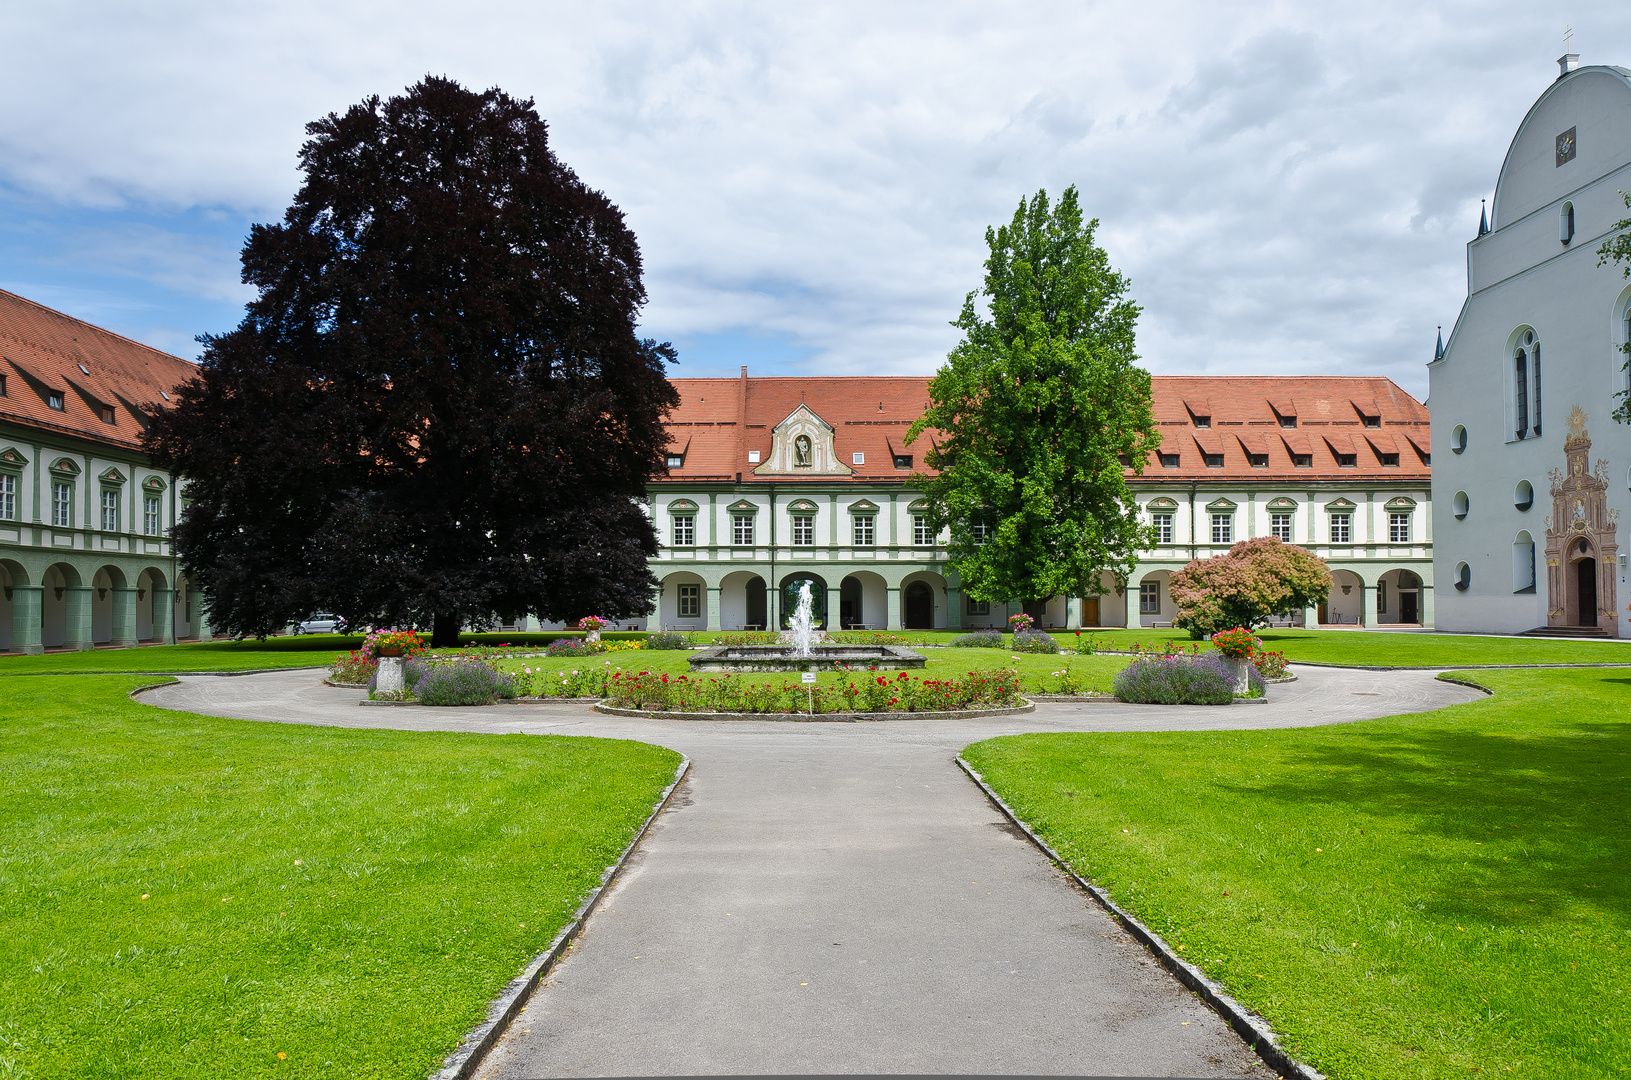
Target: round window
x: 1463, y: 577
x: 1523, y: 497
x: 1459, y: 505
x: 1458, y: 439
x: 1528, y: 337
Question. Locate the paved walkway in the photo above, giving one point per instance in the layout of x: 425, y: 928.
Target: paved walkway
x: 835, y: 898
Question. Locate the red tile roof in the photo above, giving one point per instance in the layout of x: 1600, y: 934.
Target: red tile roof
x: 92, y: 369
x: 720, y: 420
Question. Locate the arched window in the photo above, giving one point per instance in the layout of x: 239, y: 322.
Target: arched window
x: 1534, y: 356
x: 1523, y: 564
x: 1566, y: 225
x: 1520, y: 392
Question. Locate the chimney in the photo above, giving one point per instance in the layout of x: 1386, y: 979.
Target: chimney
x: 1566, y: 63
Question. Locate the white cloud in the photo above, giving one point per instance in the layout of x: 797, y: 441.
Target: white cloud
x: 1288, y: 186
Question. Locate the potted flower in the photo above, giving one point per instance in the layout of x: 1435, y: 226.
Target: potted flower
x: 593, y: 624
x: 395, y: 643
x: 1020, y: 623
x: 1237, y: 647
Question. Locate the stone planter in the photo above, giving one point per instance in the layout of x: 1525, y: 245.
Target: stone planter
x: 1240, y: 672
x: 389, y: 677
x: 594, y: 636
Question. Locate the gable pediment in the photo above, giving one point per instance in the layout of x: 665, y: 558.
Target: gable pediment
x: 802, y: 445
x: 112, y: 476
x: 1282, y: 503
x: 9, y: 457
x: 65, y: 467
x: 1341, y: 505
x: 153, y: 483
x: 1220, y: 506
x: 863, y: 507
x: 1163, y: 503
x: 801, y: 506
x: 742, y: 506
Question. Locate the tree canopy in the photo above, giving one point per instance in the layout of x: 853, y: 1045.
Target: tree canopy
x: 1247, y: 585
x: 436, y: 409
x: 1617, y: 249
x: 1036, y: 414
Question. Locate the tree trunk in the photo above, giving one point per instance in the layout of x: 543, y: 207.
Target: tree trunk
x: 1036, y: 609
x: 444, y: 633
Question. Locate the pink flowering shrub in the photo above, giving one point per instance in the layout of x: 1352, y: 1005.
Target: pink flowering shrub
x: 1255, y: 580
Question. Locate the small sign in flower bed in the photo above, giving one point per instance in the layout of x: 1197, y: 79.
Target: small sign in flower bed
x: 863, y: 694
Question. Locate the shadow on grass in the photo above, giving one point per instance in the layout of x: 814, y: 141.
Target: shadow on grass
x: 1502, y: 820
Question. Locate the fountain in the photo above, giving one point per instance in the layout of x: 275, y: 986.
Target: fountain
x: 800, y: 651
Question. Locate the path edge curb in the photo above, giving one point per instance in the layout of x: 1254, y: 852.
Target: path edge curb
x: 1248, y: 1025
x: 473, y: 1048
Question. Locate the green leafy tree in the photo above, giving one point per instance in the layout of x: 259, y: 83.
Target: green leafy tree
x: 1036, y: 415
x: 1617, y: 249
x: 1247, y: 585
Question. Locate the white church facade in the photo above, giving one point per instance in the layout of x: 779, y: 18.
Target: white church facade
x: 1533, y: 474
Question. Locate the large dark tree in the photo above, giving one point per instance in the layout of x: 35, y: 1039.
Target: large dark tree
x: 437, y: 409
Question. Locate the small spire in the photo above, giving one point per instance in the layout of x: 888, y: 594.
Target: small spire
x: 1438, y: 350
x: 1483, y: 218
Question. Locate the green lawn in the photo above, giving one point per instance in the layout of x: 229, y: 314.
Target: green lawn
x: 1365, y: 648
x: 1036, y: 671
x: 194, y: 897
x: 1436, y: 895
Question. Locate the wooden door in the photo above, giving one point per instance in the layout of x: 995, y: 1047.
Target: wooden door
x: 1090, y: 611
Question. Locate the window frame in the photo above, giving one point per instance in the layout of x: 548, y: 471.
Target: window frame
x: 62, y: 509
x: 979, y: 607
x: 682, y: 530
x: 1346, y: 518
x: 1222, y: 525
x: 742, y: 530
x: 109, y: 503
x: 1149, y: 597
x: 922, y: 535
x: 152, y: 515
x: 1162, y: 520
x: 688, y: 601
x: 8, y: 495
x: 864, y: 525
x: 1397, y: 520
x: 802, y: 532
x: 1279, y: 519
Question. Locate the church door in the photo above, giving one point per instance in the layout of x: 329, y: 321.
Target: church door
x: 1585, y: 576
x: 919, y: 607
x: 1090, y: 611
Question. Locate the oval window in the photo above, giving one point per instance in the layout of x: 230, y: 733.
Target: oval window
x: 1459, y: 505
x: 1463, y: 577
x: 1458, y: 439
x: 1524, y: 496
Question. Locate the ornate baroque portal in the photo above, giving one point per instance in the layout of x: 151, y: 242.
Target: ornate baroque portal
x: 1580, y: 544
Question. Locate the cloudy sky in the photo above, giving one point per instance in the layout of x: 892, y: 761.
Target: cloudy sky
x: 1289, y: 186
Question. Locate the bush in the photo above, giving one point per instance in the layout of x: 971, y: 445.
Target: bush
x: 980, y: 639
x: 1176, y: 680
x: 1033, y: 641
x: 748, y: 637
x: 667, y: 639
x: 1270, y: 665
x: 1254, y: 580
x: 353, y: 669
x: 571, y: 647
x: 463, y: 682
x: 863, y: 691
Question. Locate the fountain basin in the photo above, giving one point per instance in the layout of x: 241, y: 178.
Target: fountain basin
x: 822, y: 658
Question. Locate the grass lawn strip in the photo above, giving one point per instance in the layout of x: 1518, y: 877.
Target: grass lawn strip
x: 318, y: 901
x: 1420, y: 896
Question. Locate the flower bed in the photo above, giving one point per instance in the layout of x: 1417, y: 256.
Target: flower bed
x: 1180, y: 680
x: 869, y: 692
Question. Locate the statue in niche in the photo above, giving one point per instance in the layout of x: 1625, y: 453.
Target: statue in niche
x: 801, y: 451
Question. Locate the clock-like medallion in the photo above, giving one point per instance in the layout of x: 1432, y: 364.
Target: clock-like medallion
x: 1566, y: 147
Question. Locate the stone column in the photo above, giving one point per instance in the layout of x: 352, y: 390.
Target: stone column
x: 1424, y: 597
x: 124, y: 618
x: 1369, y: 618
x: 1311, y: 618
x: 77, y: 631
x: 954, y: 608
x: 894, y: 608
x: 1073, y: 613
x: 388, y: 678
x: 712, y: 613
x: 27, y: 606
x: 164, y: 616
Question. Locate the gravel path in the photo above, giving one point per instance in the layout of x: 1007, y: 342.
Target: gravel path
x: 832, y: 898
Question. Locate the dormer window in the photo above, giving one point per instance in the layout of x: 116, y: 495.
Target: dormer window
x: 107, y: 414
x: 1203, y: 421
x: 676, y: 461
x: 1303, y: 461
x: 1347, y: 461
x: 903, y: 461
x: 1288, y: 422
x: 1259, y: 461
x: 1169, y: 461
x: 1373, y: 421
x: 1214, y: 461
x: 2, y: 384
x: 54, y: 400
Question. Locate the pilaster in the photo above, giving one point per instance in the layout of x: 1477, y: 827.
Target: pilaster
x: 894, y: 607
x: 124, y: 617
x: 714, y: 594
